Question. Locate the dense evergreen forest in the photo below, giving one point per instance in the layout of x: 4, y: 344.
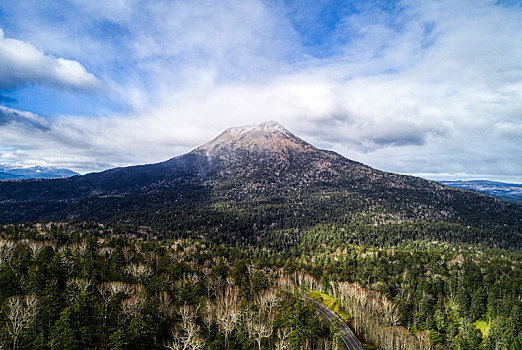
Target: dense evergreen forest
x: 84, y: 286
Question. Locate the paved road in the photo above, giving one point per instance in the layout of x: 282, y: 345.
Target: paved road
x: 349, y: 339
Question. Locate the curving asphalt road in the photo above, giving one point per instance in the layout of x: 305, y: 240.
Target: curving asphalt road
x: 349, y: 339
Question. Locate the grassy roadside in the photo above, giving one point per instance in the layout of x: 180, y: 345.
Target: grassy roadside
x: 329, y: 302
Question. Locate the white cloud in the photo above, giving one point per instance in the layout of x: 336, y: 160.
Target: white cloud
x: 511, y: 130
x: 22, y: 64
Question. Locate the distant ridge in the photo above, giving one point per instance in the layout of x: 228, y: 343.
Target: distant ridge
x: 36, y: 172
x: 505, y: 191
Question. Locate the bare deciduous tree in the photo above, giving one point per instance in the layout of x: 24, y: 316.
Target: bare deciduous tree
x: 227, y: 311
x: 108, y: 290
x: 165, y: 306
x: 128, y: 254
x: 209, y: 316
x: 132, y: 306
x: 79, y: 249
x: 106, y: 252
x: 140, y: 272
x: 187, y: 338
x: 7, y: 249
x: 75, y: 287
x: 282, y: 342
x: 267, y: 302
x: 212, y: 283
x: 21, y: 310
x: 258, y: 327
x: 36, y: 248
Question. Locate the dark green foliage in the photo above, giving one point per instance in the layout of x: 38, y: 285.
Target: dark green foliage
x: 63, y: 334
x: 140, y: 333
x: 259, y: 282
x: 478, y: 304
x: 118, y: 341
x: 503, y: 331
x: 218, y: 343
x: 76, y: 327
x: 297, y: 315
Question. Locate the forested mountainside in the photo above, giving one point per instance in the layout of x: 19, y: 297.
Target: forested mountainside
x: 254, y: 182
x: 81, y: 286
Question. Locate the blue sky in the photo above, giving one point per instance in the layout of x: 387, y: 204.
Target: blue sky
x: 421, y: 87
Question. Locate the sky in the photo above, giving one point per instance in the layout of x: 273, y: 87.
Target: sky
x: 431, y: 88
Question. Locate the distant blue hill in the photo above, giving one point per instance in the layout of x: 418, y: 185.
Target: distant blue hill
x: 506, y: 191
x: 37, y: 172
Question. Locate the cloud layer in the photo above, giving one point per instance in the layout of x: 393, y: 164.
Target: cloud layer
x: 413, y: 87
x: 21, y: 64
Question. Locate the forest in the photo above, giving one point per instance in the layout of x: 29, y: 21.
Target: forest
x: 88, y: 286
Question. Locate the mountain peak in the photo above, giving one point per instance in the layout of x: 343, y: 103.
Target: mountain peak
x: 265, y: 137
x: 265, y: 127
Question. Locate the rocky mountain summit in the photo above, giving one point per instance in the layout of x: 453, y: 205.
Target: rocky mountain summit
x: 266, y: 137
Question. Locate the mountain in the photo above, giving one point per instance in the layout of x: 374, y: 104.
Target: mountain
x: 261, y: 183
x: 36, y: 172
x: 505, y: 191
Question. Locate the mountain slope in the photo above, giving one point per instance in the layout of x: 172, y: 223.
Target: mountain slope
x: 251, y: 182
